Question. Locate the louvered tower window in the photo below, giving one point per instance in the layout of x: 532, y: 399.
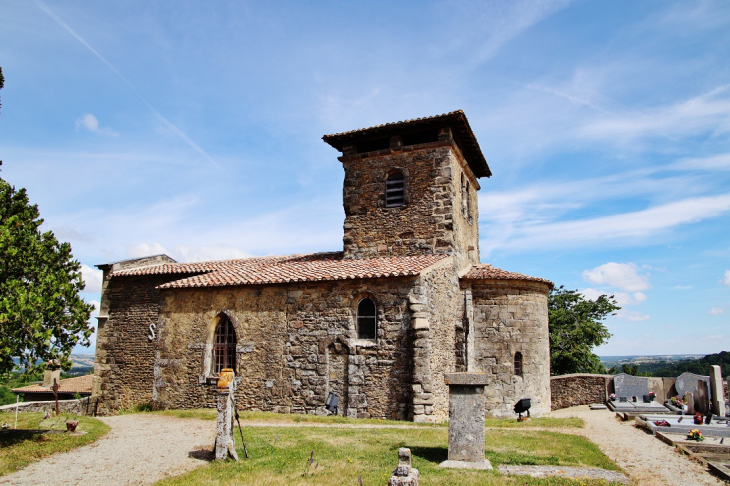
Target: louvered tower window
x: 224, y: 349
x: 518, y: 364
x: 395, y: 190
x: 366, y: 320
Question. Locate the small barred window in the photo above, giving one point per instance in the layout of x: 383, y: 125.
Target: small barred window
x: 366, y: 319
x: 395, y: 190
x: 224, y: 348
x: 518, y: 364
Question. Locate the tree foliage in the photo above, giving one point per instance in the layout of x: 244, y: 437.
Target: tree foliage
x: 42, y: 316
x: 575, y: 329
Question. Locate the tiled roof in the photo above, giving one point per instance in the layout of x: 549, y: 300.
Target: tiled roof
x: 488, y: 272
x: 460, y: 128
x: 282, y: 269
x: 78, y: 384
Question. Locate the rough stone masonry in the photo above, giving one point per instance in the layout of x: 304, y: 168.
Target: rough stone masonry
x: 379, y: 323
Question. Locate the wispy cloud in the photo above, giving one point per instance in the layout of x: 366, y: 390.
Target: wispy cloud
x: 91, y: 123
x: 174, y: 129
x: 726, y: 278
x: 711, y: 163
x: 624, y: 228
x: 92, y: 278
x: 716, y: 311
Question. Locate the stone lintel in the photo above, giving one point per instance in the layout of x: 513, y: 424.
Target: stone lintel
x: 468, y: 379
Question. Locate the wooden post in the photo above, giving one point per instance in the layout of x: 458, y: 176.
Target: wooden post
x: 17, y: 401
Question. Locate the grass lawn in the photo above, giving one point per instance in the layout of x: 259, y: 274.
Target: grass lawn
x: 280, y: 455
x: 37, y: 438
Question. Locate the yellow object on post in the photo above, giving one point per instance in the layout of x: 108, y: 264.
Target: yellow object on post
x: 225, y: 378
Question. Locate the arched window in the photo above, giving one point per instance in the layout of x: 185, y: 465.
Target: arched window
x: 518, y: 364
x: 367, y: 325
x: 224, y: 346
x: 395, y: 190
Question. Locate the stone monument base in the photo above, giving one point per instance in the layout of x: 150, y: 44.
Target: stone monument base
x: 480, y: 464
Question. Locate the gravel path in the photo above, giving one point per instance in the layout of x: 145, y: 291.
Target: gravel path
x: 646, y: 460
x: 140, y: 449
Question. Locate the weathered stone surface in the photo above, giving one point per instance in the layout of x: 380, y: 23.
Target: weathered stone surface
x: 579, y: 389
x: 716, y: 390
x: 687, y: 383
x: 472, y: 379
x: 630, y: 386
x: 466, y: 420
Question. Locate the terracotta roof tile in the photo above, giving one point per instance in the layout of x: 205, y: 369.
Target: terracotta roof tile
x: 78, y: 384
x: 488, y: 272
x: 283, y: 269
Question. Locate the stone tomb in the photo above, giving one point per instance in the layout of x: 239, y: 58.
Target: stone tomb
x: 634, y: 388
x: 466, y: 420
x: 718, y: 397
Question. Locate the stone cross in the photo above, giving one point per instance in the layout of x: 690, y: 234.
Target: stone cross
x: 404, y: 474
x: 718, y: 395
x: 225, y: 442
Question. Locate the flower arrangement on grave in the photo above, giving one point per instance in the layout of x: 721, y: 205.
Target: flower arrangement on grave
x: 676, y: 401
x: 661, y: 423
x: 652, y: 395
x: 698, y: 419
x: 612, y: 396
x: 695, y: 434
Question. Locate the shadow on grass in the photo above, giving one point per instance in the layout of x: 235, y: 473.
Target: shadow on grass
x: 12, y: 437
x: 432, y: 454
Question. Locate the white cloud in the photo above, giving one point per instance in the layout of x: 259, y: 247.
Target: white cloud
x: 205, y: 253
x: 92, y: 278
x: 622, y: 298
x: 682, y: 287
x: 716, y: 311
x: 714, y: 337
x: 632, y: 316
x: 715, y: 162
x: 624, y: 276
x: 726, y: 278
x: 140, y: 250
x: 91, y: 123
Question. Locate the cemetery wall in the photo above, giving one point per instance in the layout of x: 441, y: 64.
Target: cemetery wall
x: 579, y: 389
x: 295, y: 344
x: 510, y: 316
x: 76, y: 407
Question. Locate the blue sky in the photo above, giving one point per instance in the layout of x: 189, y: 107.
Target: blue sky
x: 194, y: 129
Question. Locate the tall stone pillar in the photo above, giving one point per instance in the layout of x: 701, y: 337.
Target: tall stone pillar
x: 467, y: 410
x: 225, y: 442
x: 718, y: 394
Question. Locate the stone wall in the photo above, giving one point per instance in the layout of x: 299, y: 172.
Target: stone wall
x: 430, y: 222
x: 510, y: 316
x: 76, y: 407
x: 579, y: 389
x: 123, y: 368
x: 296, y: 343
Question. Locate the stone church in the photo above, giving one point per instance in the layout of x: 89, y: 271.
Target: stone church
x: 377, y: 324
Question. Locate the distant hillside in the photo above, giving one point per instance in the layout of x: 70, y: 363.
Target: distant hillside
x: 672, y: 365
x: 82, y: 364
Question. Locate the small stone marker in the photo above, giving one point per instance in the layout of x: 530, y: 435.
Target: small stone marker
x: 718, y: 396
x: 225, y: 442
x: 631, y: 386
x: 404, y: 474
x: 597, y: 406
x: 466, y: 420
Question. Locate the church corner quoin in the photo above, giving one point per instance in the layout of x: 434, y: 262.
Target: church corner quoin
x: 378, y: 324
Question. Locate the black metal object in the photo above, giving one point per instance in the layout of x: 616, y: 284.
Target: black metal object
x: 522, y: 406
x: 331, y: 403
x: 245, y: 449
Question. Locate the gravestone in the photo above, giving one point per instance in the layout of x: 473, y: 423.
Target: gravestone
x: 631, y: 386
x: 687, y: 382
x: 225, y: 442
x: 718, y: 395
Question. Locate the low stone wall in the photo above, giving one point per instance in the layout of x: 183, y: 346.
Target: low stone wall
x: 579, y: 389
x: 76, y: 407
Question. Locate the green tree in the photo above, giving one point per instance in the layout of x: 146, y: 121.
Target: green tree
x: 575, y: 329
x: 42, y: 316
